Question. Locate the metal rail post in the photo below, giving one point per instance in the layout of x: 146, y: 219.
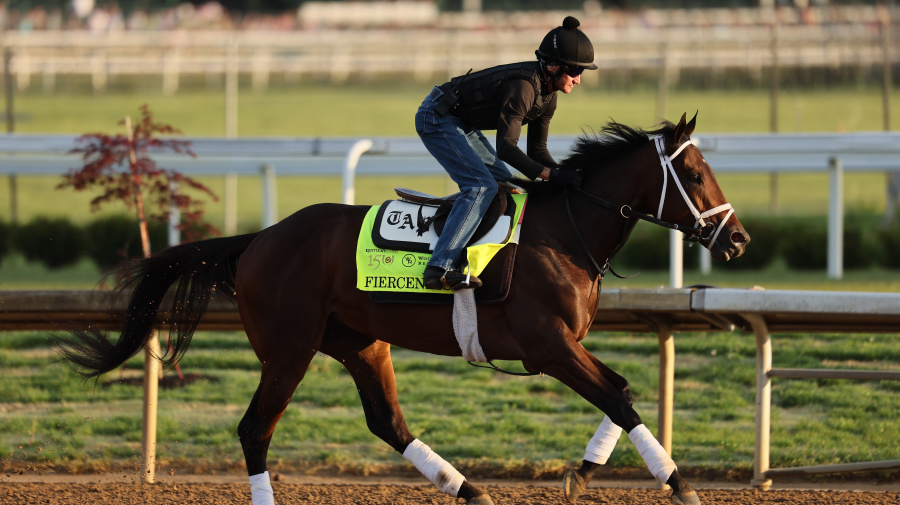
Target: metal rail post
x: 676, y: 259
x: 663, y: 327
x: 662, y: 85
x: 763, y: 401
x: 8, y: 90
x: 173, y: 233
x: 886, y: 80
x: 230, y: 203
x: 231, y: 88
x: 152, y: 368
x: 836, y: 219
x: 352, y: 160
x: 705, y: 260
x: 666, y: 387
x: 270, y: 196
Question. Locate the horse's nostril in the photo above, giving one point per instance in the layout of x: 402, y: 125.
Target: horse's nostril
x: 738, y: 238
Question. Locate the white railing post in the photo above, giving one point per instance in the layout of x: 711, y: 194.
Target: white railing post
x: 705, y: 260
x: 174, y: 234
x: 270, y: 196
x: 232, y: 70
x: 356, y: 151
x: 230, y: 203
x: 836, y: 219
x: 676, y: 259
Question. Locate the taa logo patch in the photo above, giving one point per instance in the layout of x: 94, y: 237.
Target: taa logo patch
x: 403, y: 219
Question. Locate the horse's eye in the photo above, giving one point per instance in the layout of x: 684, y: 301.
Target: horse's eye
x: 695, y: 179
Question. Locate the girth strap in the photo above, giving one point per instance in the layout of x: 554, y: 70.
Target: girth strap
x: 423, y: 223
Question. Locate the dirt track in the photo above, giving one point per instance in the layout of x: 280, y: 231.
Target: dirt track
x: 189, y: 493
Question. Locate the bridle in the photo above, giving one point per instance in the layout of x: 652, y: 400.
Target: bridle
x: 703, y: 231
x: 666, y: 162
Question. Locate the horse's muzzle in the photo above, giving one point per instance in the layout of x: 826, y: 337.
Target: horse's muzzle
x: 730, y: 244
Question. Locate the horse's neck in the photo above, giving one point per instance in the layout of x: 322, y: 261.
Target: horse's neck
x: 586, y: 225
x: 591, y: 231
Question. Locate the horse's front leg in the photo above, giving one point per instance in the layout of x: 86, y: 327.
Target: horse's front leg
x: 598, y: 450
x: 369, y: 363
x: 608, y: 391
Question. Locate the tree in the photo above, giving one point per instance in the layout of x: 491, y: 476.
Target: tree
x: 120, y: 166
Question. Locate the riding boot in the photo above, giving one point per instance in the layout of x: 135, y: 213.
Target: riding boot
x: 438, y: 278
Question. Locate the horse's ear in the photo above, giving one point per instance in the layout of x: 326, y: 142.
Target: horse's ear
x: 689, y: 129
x: 679, y: 129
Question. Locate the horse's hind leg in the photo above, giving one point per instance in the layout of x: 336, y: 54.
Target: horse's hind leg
x: 369, y: 363
x: 608, y: 391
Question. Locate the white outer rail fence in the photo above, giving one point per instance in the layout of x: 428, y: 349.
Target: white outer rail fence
x: 833, y: 153
x: 862, y: 38
x: 662, y: 311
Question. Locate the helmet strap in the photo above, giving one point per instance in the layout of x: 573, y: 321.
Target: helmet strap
x: 552, y: 76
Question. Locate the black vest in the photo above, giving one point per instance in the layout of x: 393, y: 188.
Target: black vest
x: 479, y: 97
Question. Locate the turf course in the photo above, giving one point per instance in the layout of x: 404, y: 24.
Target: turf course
x: 486, y: 423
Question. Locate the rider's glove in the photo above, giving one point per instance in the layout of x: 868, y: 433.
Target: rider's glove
x: 564, y: 177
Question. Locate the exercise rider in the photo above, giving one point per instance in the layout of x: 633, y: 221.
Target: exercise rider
x: 503, y: 98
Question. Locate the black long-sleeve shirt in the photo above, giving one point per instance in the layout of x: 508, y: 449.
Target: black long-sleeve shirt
x: 518, y: 98
x: 505, y: 98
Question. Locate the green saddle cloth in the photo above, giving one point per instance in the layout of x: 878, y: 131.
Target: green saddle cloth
x: 380, y: 269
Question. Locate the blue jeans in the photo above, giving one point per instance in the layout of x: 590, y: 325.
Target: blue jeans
x: 472, y: 163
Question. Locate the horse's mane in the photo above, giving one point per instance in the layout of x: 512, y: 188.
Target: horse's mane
x: 593, y: 150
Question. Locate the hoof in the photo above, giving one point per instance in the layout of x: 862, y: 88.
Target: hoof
x: 573, y: 486
x: 481, y: 500
x: 687, y: 498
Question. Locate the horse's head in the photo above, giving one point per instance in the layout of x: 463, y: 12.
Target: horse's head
x: 691, y: 196
x: 664, y: 180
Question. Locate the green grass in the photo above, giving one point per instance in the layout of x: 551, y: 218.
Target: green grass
x: 387, y: 110
x: 482, y: 421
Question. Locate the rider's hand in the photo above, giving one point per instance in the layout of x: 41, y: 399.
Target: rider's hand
x: 565, y: 177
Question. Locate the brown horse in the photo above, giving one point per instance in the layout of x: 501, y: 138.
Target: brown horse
x: 294, y: 284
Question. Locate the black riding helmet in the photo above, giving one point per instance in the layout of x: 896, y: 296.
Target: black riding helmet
x: 568, y: 46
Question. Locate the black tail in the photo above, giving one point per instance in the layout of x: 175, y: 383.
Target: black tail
x: 193, y: 272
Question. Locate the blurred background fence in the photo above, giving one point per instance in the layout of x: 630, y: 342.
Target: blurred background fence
x: 705, y: 47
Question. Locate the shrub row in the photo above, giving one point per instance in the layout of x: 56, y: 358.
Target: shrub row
x: 57, y: 243
x: 801, y: 241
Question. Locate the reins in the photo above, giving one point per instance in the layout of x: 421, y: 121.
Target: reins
x: 694, y: 234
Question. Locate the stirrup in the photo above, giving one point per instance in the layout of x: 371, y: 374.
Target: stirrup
x: 437, y: 278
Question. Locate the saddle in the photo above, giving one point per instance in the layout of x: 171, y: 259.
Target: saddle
x: 414, y: 222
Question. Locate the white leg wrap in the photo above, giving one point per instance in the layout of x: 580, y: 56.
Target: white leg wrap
x: 603, y: 442
x: 433, y: 467
x: 261, y: 489
x: 656, y: 458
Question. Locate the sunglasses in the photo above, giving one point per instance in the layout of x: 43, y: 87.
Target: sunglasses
x: 573, y: 72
